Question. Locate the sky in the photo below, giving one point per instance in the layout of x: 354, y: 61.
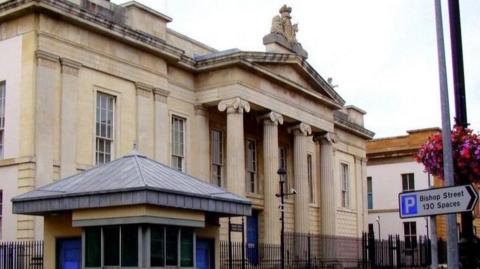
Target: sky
x: 382, y: 54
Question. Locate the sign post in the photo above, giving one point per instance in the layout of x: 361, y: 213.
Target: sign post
x: 438, y: 201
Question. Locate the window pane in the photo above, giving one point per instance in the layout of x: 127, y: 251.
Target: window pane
x: 92, y: 247
x: 111, y: 238
x: 130, y: 245
x: 186, y: 248
x: 157, y: 246
x: 172, y: 246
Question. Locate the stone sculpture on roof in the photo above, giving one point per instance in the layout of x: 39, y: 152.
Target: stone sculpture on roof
x: 283, y: 32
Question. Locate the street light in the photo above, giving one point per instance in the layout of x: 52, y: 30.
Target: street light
x: 378, y: 222
x: 282, y: 173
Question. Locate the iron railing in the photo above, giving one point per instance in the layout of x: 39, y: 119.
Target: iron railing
x: 21, y: 255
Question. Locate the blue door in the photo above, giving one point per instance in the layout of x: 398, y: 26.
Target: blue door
x: 204, y: 256
x: 69, y: 253
x: 252, y: 238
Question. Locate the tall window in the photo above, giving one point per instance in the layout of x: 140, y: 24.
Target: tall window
x: 2, y: 117
x: 410, y: 232
x: 251, y: 166
x: 282, y: 163
x: 310, y: 178
x: 178, y: 143
x: 345, y: 184
x: 369, y: 193
x: 104, y: 128
x: 217, y: 157
x: 408, y: 182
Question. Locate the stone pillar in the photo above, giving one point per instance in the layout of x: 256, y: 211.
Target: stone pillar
x: 359, y: 194
x: 161, y: 123
x: 271, y: 178
x: 201, y: 143
x: 301, y: 134
x: 363, y: 174
x: 45, y: 84
x: 235, y: 176
x: 327, y: 185
x: 68, y: 117
x: 145, y: 119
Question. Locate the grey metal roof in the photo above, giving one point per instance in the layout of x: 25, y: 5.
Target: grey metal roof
x: 132, y: 179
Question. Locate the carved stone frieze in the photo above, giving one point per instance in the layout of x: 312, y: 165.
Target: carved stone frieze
x: 234, y: 105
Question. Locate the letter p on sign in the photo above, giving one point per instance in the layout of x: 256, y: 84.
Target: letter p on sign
x: 409, y: 205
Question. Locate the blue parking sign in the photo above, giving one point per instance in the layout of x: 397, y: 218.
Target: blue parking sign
x: 408, y: 205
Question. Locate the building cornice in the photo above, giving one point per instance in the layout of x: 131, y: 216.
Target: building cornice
x: 343, y: 123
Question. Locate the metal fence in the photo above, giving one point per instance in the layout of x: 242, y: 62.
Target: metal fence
x: 318, y: 251
x: 301, y: 251
x: 395, y: 253
x: 21, y: 255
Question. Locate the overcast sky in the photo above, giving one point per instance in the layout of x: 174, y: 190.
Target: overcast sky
x: 382, y: 54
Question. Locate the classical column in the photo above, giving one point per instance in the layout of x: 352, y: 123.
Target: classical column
x: 46, y: 77
x: 68, y: 117
x: 301, y: 134
x: 161, y: 123
x: 359, y: 195
x: 145, y: 119
x: 201, y: 143
x: 327, y: 185
x: 271, y: 180
x: 235, y: 180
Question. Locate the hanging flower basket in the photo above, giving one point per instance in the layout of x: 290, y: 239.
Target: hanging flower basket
x: 465, y: 150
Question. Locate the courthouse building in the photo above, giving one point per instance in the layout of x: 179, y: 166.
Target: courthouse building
x: 82, y: 81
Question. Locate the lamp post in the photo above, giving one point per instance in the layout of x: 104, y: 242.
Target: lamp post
x: 281, y: 172
x: 378, y: 222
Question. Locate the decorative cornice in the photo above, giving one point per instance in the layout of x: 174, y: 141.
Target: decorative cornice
x: 341, y: 121
x: 301, y: 129
x: 234, y: 105
x: 272, y: 117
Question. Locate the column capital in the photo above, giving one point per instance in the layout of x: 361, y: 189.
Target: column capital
x: 234, y: 105
x: 160, y: 95
x: 301, y: 129
x: 144, y: 89
x: 70, y: 66
x: 326, y: 138
x: 272, y: 118
x: 201, y: 110
x: 47, y: 59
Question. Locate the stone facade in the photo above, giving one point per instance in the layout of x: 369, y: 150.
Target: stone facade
x: 63, y: 54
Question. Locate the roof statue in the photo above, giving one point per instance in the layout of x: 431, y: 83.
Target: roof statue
x: 283, y: 32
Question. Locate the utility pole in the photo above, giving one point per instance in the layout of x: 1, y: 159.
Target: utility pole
x: 461, y: 120
x: 452, y: 240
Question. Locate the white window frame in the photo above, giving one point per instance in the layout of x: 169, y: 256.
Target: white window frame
x: 251, y: 168
x: 3, y: 92
x: 110, y: 139
x: 345, y: 185
x: 180, y: 154
x: 217, y: 162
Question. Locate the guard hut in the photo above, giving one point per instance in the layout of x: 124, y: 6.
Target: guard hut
x: 131, y: 212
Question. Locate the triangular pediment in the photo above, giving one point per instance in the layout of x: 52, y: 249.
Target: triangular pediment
x: 301, y: 76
